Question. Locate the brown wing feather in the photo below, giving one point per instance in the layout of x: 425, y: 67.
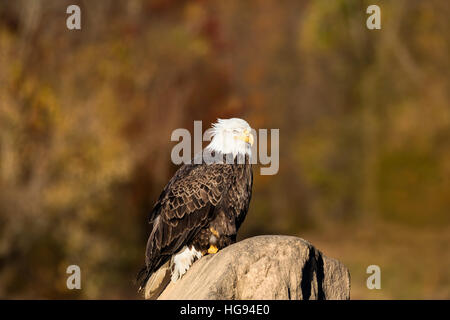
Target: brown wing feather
x: 186, y: 205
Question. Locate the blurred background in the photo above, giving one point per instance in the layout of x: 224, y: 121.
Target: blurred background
x: 86, y: 118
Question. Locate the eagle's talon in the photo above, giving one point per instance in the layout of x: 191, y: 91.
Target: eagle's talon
x: 212, y: 249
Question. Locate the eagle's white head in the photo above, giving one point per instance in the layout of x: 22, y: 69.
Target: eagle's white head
x: 231, y: 136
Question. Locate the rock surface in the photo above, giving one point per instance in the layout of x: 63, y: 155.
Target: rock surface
x: 263, y: 267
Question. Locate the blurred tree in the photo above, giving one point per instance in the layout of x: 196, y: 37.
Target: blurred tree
x: 86, y: 118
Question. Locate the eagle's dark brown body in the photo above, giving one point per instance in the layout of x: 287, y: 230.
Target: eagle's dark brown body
x: 202, y: 205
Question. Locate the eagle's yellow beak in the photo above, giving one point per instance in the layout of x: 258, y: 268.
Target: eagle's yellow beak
x: 247, y: 137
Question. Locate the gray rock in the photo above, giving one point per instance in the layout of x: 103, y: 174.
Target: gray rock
x: 263, y: 267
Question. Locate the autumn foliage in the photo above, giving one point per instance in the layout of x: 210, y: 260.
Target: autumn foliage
x: 86, y: 117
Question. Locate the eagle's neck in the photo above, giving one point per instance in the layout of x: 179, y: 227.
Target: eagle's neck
x: 228, y: 146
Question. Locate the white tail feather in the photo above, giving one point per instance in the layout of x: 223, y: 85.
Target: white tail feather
x: 182, y: 261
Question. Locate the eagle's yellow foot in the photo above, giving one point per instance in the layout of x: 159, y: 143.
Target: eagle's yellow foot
x: 212, y: 249
x: 214, y: 232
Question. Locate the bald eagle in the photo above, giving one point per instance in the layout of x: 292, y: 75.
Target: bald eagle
x: 201, y: 208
